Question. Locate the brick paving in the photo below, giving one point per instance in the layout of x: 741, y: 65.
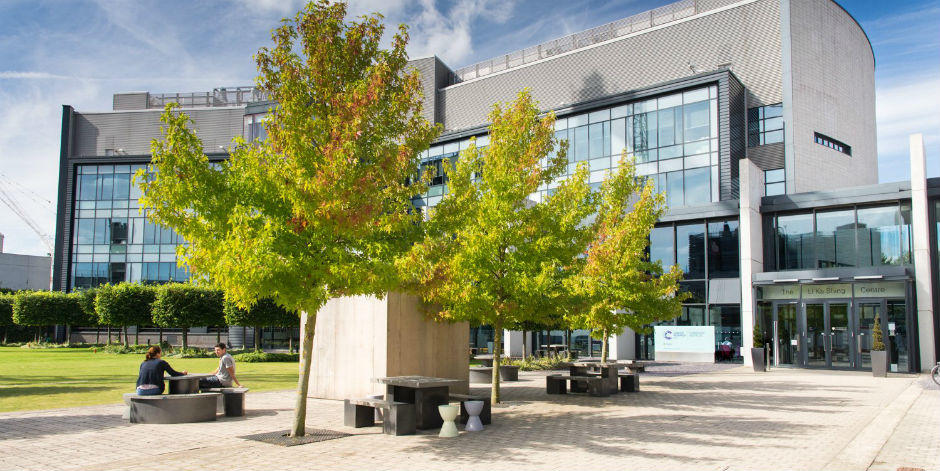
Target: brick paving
x: 725, y: 419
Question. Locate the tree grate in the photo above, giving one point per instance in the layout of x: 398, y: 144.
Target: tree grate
x: 283, y: 438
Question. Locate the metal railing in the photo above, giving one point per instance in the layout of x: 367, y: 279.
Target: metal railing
x: 615, y: 29
x: 223, y: 96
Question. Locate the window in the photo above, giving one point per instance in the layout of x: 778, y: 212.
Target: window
x: 723, y: 259
x: 833, y: 144
x: 765, y: 125
x: 835, y: 238
x: 795, y: 242
x: 690, y: 250
x: 775, y: 182
x: 662, y: 246
x: 254, y: 127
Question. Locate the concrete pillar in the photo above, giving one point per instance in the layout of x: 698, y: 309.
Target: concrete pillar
x: 622, y: 346
x: 750, y: 230
x: 512, y: 343
x: 923, y: 278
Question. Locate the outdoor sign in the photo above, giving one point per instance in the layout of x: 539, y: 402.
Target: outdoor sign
x: 892, y: 289
x: 780, y: 292
x: 684, y: 338
x: 835, y: 290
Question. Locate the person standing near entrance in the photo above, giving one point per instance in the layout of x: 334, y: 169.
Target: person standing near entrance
x: 224, y: 375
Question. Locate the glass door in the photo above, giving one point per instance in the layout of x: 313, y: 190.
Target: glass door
x: 816, y: 335
x: 786, y: 335
x: 866, y: 319
x: 840, y: 335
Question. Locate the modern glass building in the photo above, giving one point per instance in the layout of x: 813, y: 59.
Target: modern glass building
x: 762, y: 140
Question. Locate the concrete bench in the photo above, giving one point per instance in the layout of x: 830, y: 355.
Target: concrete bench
x: 557, y: 384
x: 629, y: 382
x: 232, y: 401
x: 636, y: 366
x: 173, y: 408
x: 399, y: 418
x: 484, y: 374
x: 486, y: 416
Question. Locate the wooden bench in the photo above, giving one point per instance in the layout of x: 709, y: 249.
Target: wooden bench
x: 232, y: 401
x: 399, y: 418
x: 629, y: 382
x: 486, y: 416
x: 557, y: 384
x: 173, y: 408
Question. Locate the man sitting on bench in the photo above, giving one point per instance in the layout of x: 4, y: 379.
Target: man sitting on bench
x: 224, y: 375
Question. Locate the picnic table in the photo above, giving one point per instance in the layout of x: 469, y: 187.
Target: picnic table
x: 608, y: 371
x: 186, y: 384
x: 485, y: 359
x: 425, y: 392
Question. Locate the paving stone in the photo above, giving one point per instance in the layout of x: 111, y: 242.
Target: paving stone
x: 719, y: 419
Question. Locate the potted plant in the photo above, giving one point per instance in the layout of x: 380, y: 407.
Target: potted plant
x: 758, y: 355
x: 879, y: 357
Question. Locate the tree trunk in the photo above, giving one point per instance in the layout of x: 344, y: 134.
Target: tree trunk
x: 97, y: 334
x: 109, y: 335
x: 525, y: 345
x: 126, y: 343
x: 68, y: 335
x: 5, y: 329
x: 257, y: 338
x: 290, y: 340
x: 136, y: 335
x: 568, y: 341
x: 185, y: 337
x: 218, y: 335
x: 298, y: 428
x: 604, y: 348
x: 161, y: 338
x: 497, y: 357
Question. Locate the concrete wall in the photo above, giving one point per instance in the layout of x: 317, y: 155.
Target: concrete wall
x: 832, y: 73
x: 25, y: 271
x: 360, y: 338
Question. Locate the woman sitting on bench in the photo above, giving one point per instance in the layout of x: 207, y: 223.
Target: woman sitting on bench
x: 150, y: 379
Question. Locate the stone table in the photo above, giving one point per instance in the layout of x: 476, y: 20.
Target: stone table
x: 425, y: 392
x: 186, y: 384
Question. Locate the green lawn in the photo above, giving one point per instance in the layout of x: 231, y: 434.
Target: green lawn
x: 67, y: 377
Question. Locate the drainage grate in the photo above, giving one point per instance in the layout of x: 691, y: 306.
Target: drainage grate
x: 283, y: 438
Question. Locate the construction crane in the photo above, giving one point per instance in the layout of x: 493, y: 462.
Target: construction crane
x: 9, y: 189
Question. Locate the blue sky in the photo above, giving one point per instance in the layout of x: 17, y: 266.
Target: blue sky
x: 81, y: 52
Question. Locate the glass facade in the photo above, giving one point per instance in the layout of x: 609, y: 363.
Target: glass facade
x: 673, y: 139
x: 704, y: 250
x: 765, y: 125
x: 862, y: 236
x: 775, y: 182
x: 111, y: 240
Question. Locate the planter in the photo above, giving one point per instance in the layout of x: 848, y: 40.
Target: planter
x: 879, y: 363
x: 481, y: 374
x: 758, y: 358
x: 508, y: 373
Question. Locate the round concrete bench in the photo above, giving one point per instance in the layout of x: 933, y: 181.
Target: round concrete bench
x: 173, y: 408
x: 484, y: 374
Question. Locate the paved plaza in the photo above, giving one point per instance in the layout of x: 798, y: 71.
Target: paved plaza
x: 722, y: 419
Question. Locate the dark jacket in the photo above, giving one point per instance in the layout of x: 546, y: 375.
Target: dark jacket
x: 152, y: 371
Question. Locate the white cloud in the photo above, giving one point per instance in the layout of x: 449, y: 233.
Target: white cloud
x: 29, y: 75
x: 904, y: 108
x: 450, y: 36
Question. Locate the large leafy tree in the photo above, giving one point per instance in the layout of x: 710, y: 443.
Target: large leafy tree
x: 491, y: 254
x: 617, y: 285
x: 323, y: 205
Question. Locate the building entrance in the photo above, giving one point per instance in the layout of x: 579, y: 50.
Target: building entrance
x: 815, y: 331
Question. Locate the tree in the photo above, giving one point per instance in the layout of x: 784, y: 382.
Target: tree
x: 86, y: 299
x: 44, y: 308
x: 617, y: 285
x: 264, y: 313
x: 6, y: 314
x: 323, y: 205
x: 490, y: 254
x: 124, y: 304
x: 185, y: 306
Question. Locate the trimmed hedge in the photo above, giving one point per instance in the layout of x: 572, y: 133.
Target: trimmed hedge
x: 124, y: 304
x: 261, y: 357
x: 264, y: 313
x: 185, y: 306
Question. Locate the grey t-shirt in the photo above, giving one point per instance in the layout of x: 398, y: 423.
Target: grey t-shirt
x: 225, y: 361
